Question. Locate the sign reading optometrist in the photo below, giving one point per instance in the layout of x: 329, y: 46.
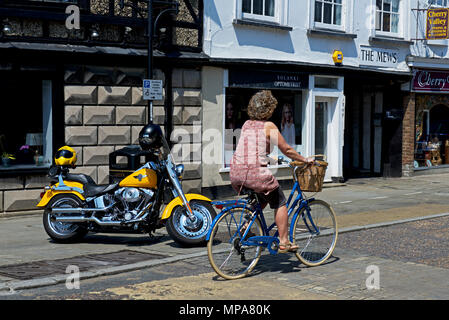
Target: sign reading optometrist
x: 268, y: 79
x: 437, y: 23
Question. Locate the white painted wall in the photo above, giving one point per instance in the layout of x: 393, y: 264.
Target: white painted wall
x: 225, y: 39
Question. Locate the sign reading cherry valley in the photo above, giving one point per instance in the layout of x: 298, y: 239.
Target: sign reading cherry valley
x: 437, y: 23
x: 430, y: 81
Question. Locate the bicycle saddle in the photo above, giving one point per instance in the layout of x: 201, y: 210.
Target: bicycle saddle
x: 247, y: 192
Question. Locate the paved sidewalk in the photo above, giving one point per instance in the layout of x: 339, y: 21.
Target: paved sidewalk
x: 359, y: 204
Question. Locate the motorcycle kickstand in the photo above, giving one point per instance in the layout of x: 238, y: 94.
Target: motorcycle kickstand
x: 154, y: 238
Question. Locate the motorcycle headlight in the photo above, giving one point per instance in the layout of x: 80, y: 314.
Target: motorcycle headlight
x: 179, y: 170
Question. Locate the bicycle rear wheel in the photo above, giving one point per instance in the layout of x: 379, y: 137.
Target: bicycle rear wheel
x: 315, y: 232
x: 227, y: 256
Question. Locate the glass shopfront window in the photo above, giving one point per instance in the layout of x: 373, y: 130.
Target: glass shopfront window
x: 26, y: 124
x: 288, y: 117
x: 432, y: 131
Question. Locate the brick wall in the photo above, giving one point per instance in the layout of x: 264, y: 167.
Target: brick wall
x: 408, y: 135
x: 101, y: 119
x: 187, y: 125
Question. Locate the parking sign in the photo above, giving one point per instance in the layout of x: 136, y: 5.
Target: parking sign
x: 152, y: 89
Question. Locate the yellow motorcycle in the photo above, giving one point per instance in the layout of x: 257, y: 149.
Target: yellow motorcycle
x: 74, y: 204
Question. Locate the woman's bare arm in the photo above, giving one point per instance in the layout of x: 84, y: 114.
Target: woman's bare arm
x: 273, y: 133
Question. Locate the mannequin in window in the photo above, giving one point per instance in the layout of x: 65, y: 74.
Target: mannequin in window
x: 288, y: 125
x: 231, y: 115
x: 231, y: 125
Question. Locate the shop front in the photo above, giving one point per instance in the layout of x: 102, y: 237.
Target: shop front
x: 310, y: 116
x: 431, y: 89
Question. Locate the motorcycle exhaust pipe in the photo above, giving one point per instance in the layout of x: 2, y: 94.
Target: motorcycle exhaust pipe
x: 79, y: 210
x: 80, y: 219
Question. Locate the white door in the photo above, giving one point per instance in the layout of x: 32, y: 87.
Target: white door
x: 321, y: 127
x: 325, y: 134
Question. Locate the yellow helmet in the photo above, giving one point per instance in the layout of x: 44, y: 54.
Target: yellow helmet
x: 65, y: 156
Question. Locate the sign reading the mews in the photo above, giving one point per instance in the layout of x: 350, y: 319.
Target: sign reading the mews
x: 378, y: 57
x: 437, y: 23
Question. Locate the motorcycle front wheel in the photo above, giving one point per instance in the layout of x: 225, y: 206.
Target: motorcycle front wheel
x: 187, y: 232
x: 59, y: 231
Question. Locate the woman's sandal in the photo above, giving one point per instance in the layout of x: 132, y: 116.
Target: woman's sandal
x: 288, y: 247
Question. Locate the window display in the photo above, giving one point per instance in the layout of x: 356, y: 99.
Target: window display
x: 432, y: 131
x: 288, y: 117
x: 23, y: 143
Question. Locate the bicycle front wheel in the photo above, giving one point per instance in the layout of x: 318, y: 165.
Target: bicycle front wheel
x: 315, y: 232
x: 227, y: 255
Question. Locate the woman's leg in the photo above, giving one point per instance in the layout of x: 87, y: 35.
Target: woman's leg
x: 281, y: 219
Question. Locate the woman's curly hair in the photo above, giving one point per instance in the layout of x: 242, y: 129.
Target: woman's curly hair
x: 262, y: 105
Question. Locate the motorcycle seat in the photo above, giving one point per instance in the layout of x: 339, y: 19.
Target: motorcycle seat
x: 91, y: 189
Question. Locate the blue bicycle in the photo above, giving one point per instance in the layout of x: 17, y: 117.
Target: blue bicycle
x: 239, y: 234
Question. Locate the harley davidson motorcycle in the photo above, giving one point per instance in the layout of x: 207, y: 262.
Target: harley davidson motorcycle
x: 74, y: 204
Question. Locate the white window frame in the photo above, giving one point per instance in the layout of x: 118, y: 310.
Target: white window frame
x: 346, y: 18
x: 402, y: 18
x: 318, y: 24
x: 280, y: 13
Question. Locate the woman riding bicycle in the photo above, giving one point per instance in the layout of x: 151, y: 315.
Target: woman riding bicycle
x: 249, y: 162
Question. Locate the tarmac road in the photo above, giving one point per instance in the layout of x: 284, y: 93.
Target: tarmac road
x: 411, y: 257
x: 412, y: 260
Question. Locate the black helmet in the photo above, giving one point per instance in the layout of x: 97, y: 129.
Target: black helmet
x: 150, y: 137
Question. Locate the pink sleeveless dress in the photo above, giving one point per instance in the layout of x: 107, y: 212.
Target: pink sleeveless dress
x: 249, y: 162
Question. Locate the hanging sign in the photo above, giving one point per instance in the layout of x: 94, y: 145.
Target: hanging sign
x: 437, y: 23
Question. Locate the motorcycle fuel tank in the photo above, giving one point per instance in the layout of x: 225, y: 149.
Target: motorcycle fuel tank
x: 143, y: 178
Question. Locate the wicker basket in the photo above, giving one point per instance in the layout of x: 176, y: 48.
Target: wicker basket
x: 310, y: 177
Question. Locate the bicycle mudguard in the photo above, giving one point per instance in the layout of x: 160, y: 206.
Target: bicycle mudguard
x: 228, y: 203
x: 178, y: 202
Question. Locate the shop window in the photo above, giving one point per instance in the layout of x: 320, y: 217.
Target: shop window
x: 328, y: 12
x: 432, y: 137
x: 26, y: 127
x: 387, y: 16
x: 326, y: 82
x: 288, y: 117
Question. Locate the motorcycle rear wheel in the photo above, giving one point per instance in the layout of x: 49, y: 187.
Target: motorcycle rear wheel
x: 187, y: 233
x: 58, y: 231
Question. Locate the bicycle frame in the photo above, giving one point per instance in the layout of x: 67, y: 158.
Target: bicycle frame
x: 266, y: 239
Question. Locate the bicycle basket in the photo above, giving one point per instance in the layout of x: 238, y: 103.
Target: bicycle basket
x: 310, y: 177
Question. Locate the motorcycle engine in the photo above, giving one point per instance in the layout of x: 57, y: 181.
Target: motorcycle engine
x: 131, y: 201
x: 130, y: 194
